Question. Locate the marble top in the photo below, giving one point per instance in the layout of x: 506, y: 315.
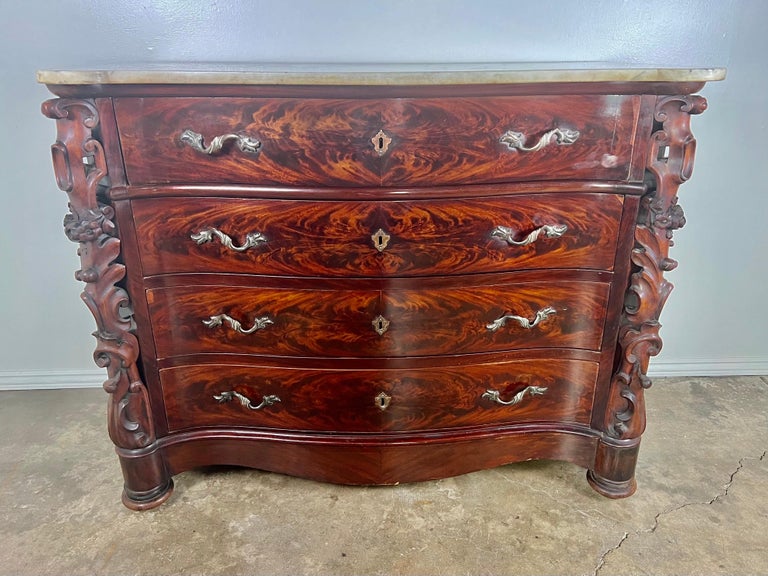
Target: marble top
x: 377, y: 74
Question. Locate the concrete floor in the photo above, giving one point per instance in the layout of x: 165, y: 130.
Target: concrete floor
x: 701, y: 506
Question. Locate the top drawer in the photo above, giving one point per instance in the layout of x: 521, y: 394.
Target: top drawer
x: 377, y: 142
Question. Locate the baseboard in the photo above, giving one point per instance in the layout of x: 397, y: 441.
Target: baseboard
x: 746, y: 366
x: 51, y: 379
x: 59, y: 379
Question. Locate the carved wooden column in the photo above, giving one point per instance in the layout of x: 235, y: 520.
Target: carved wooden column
x: 80, y: 167
x: 670, y: 163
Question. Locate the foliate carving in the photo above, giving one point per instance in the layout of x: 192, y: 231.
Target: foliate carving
x: 653, y: 214
x: 90, y: 224
x: 670, y: 163
x: 628, y: 406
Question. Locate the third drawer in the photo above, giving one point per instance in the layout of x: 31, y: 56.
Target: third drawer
x: 389, y: 321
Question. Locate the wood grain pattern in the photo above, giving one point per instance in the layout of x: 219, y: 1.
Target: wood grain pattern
x: 303, y: 141
x: 456, y: 140
x: 428, y: 237
x: 382, y: 459
x: 328, y: 141
x: 318, y: 322
x: 344, y: 400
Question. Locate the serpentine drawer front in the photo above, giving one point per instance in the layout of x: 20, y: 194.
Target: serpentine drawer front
x: 337, y: 400
x: 371, y: 142
x: 374, y: 277
x: 363, y: 238
x: 390, y: 321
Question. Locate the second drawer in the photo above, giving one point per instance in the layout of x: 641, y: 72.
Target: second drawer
x: 348, y: 238
x: 377, y: 323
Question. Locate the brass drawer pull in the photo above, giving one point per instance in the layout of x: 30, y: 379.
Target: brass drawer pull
x: 516, y: 140
x: 541, y: 315
x: 219, y: 319
x: 495, y: 395
x: 251, y: 239
x: 548, y: 231
x: 231, y: 395
x: 246, y: 144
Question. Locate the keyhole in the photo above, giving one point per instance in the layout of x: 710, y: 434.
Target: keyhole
x: 380, y: 239
x: 381, y: 142
x: 382, y: 401
x: 380, y: 325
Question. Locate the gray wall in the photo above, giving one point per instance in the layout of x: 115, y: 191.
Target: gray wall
x: 715, y: 319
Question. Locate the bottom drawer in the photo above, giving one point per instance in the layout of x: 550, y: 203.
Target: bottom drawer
x: 370, y: 400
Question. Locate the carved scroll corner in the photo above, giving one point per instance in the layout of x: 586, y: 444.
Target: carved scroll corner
x: 689, y: 103
x: 61, y: 109
x: 695, y: 104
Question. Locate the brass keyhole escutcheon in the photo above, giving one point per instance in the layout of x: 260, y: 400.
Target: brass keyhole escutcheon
x: 380, y: 324
x: 380, y: 239
x: 382, y: 401
x: 381, y: 142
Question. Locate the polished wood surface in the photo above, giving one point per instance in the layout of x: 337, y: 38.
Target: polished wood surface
x: 329, y: 142
x: 309, y: 238
x: 346, y: 400
x: 345, y: 91
x: 319, y: 322
x: 374, y: 268
x: 381, y: 459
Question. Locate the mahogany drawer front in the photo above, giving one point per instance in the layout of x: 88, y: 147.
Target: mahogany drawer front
x: 426, y: 237
x: 378, y: 399
x: 372, y: 323
x: 428, y: 141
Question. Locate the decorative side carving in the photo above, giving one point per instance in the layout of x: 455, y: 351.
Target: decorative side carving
x: 670, y: 163
x: 90, y: 224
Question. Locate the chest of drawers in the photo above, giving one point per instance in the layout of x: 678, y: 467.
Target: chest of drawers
x: 374, y: 277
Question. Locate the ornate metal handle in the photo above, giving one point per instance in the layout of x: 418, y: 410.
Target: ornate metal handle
x: 516, y: 140
x: 251, y: 239
x: 549, y: 231
x: 194, y: 140
x: 495, y: 395
x: 542, y: 314
x: 219, y: 319
x: 231, y: 395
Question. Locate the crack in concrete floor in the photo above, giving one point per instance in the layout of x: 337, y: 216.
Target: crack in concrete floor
x: 723, y: 493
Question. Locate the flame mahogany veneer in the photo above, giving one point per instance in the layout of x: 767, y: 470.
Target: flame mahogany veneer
x: 377, y: 284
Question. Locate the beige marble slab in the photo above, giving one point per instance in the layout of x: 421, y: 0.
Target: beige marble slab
x: 377, y: 74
